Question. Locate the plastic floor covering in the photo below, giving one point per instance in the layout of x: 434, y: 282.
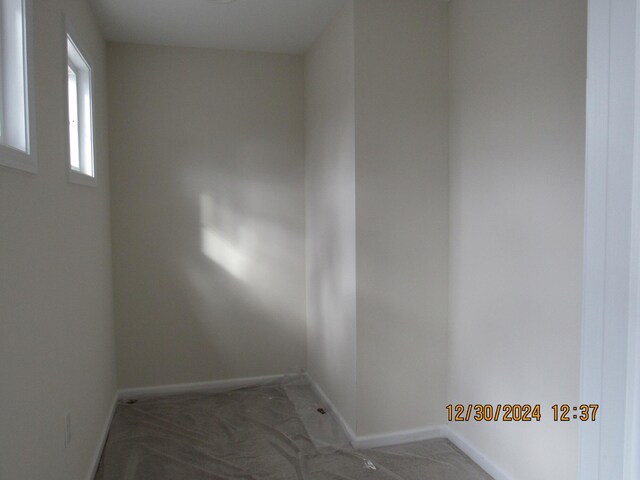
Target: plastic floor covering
x: 262, y: 433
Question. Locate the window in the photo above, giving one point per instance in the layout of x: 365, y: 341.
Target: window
x: 16, y: 139
x: 81, y: 164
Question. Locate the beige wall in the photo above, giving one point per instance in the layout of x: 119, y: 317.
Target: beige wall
x: 208, y: 213
x: 330, y: 173
x: 517, y: 158
x: 208, y: 203
x: 377, y: 189
x: 402, y: 213
x: 56, y: 330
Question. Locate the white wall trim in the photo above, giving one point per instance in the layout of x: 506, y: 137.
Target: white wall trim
x: 476, y: 455
x: 608, y: 321
x: 358, y: 442
x: 377, y: 440
x: 332, y: 408
x: 144, y: 392
x: 414, y: 435
x: 632, y: 435
x: 399, y: 437
x: 199, y: 387
x: 102, y: 440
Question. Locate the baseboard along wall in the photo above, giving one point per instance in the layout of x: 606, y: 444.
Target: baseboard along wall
x: 357, y: 441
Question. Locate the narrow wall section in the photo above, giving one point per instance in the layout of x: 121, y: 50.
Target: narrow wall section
x: 330, y: 174
x: 402, y: 213
x: 518, y: 71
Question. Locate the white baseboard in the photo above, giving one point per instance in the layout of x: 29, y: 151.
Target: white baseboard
x: 214, y: 386
x: 199, y: 387
x: 379, y: 440
x: 102, y: 440
x: 358, y: 441
x: 334, y: 411
x: 414, y: 435
x: 398, y: 438
x: 476, y: 455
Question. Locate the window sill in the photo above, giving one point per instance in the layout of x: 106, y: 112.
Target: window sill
x: 83, y: 179
x: 12, y: 158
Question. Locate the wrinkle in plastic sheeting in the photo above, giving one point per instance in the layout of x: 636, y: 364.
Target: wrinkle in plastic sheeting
x: 263, y: 433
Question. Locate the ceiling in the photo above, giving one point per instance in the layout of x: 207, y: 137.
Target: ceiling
x: 282, y: 26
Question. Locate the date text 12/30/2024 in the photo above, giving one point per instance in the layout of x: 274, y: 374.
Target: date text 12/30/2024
x: 520, y: 413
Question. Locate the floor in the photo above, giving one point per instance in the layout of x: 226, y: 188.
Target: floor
x: 261, y: 433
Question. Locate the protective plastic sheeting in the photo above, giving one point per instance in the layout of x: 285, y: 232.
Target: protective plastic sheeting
x: 322, y: 428
x: 258, y: 434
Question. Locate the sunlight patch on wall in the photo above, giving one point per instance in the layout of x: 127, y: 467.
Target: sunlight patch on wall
x: 224, y: 253
x: 248, y: 246
x: 216, y: 242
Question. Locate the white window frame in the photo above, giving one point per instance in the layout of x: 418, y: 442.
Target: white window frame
x: 77, y: 59
x: 23, y: 156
